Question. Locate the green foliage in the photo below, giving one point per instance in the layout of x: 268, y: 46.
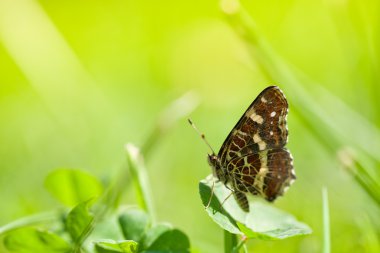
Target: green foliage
x: 222, y: 218
x: 48, y: 217
x: 72, y: 186
x: 262, y: 222
x: 326, y: 222
x: 230, y: 242
x: 152, y: 235
x: 32, y: 240
x: 172, y: 240
x: 109, y: 246
x: 134, y: 223
x: 79, y: 219
x: 139, y: 178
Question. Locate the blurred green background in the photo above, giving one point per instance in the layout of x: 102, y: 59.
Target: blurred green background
x: 79, y: 79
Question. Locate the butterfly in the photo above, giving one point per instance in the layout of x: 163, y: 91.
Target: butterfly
x: 253, y: 158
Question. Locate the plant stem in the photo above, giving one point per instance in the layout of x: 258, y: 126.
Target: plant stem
x: 326, y: 221
x: 30, y: 221
x: 230, y: 242
x: 140, y: 179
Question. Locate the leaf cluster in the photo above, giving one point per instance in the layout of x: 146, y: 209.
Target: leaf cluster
x: 75, y: 229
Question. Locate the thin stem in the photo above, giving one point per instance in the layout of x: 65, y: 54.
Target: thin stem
x: 230, y: 242
x: 240, y: 245
x: 326, y: 221
x: 32, y: 220
x: 245, y: 250
x: 140, y: 179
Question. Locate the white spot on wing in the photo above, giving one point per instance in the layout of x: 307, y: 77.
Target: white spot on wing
x: 240, y: 133
x: 263, y: 171
x: 257, y: 118
x: 256, y: 138
x: 273, y: 114
x: 263, y: 100
x: 262, y: 145
x: 259, y: 141
x: 259, y: 179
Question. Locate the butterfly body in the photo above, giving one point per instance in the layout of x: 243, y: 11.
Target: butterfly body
x: 253, y: 158
x: 217, y: 170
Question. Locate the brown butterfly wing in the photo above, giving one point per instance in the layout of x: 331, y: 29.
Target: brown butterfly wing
x: 267, y: 173
x: 254, y: 153
x: 263, y: 126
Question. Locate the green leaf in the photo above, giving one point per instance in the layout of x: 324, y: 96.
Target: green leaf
x: 263, y: 221
x: 109, y: 246
x: 79, y: 220
x: 218, y: 214
x: 134, y: 223
x: 72, y: 186
x: 170, y: 241
x: 230, y: 242
x: 107, y: 227
x: 31, y: 240
x: 154, y: 233
x: 140, y: 179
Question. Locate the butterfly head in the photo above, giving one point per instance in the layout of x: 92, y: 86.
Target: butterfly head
x: 217, y: 171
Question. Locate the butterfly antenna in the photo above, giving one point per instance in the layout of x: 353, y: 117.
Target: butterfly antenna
x: 201, y: 134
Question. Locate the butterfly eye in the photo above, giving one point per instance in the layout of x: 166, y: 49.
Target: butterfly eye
x: 209, y: 160
x: 212, y: 160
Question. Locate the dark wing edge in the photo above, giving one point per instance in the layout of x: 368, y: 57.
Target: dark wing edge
x: 242, y: 124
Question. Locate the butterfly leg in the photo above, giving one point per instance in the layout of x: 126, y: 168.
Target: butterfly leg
x: 221, y: 204
x: 226, y: 185
x: 242, y: 200
x: 211, y: 195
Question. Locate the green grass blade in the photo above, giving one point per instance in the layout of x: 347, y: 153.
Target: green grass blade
x: 368, y: 180
x: 41, y: 218
x: 326, y: 221
x: 140, y: 179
